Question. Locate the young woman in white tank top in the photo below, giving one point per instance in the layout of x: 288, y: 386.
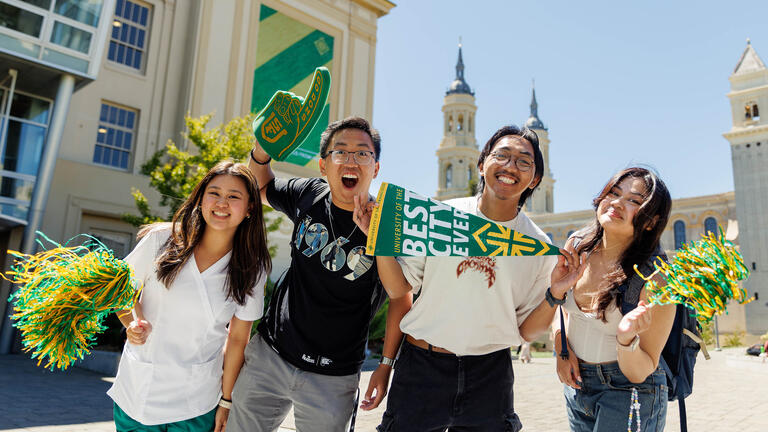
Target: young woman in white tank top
x: 611, y: 354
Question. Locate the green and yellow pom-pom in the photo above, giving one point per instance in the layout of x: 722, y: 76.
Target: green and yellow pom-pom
x: 704, y: 275
x: 64, y: 295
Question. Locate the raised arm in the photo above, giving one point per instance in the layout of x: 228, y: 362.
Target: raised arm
x: 652, y: 325
x: 568, y: 270
x: 392, y: 277
x: 259, y: 164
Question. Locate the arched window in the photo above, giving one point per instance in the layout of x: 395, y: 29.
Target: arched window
x: 570, y: 233
x: 460, y: 123
x: 469, y: 175
x: 450, y: 123
x: 471, y: 120
x: 751, y: 112
x: 710, y: 226
x: 679, y: 234
x: 550, y: 236
x: 449, y: 176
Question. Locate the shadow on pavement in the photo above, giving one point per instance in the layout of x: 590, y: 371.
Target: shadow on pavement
x: 33, y: 396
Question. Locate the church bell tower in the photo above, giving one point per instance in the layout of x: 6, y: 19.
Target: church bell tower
x: 542, y: 200
x: 458, y: 153
x: 749, y: 153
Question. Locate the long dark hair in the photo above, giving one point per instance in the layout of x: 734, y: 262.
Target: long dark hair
x: 649, y: 223
x: 538, y: 159
x: 250, y: 256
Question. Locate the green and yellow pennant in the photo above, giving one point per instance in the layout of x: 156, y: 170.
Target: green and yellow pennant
x: 407, y: 224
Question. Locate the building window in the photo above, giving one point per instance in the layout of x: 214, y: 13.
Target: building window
x: 449, y: 177
x: 679, y: 234
x: 751, y: 112
x: 710, y: 226
x: 20, y: 20
x: 460, y: 123
x: 22, y: 135
x: 130, y: 30
x: 450, y: 123
x: 114, y: 139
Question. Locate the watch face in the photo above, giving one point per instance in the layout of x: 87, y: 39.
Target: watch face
x: 632, y: 345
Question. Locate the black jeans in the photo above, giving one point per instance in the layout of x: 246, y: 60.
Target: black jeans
x: 434, y: 392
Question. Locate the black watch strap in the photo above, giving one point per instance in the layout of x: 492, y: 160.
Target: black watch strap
x: 552, y: 300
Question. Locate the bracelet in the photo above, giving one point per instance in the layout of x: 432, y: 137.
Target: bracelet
x: 224, y: 403
x: 553, y: 302
x: 387, y: 361
x: 269, y: 159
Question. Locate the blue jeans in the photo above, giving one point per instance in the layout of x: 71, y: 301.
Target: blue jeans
x: 603, y: 402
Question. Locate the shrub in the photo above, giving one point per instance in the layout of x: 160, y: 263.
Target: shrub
x: 735, y: 339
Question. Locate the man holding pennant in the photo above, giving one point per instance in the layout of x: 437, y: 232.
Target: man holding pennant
x: 311, y: 342
x: 455, y: 370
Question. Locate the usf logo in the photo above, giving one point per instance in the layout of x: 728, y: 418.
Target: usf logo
x: 283, y: 125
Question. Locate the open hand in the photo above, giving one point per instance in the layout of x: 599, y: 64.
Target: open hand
x: 568, y: 370
x: 138, y: 331
x: 633, y: 323
x: 377, y: 388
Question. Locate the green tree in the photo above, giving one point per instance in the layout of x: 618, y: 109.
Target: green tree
x: 175, y: 171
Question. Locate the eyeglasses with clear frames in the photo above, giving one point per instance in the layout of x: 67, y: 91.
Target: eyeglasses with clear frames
x: 362, y: 157
x: 523, y: 163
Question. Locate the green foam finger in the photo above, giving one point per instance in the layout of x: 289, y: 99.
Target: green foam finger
x: 283, y: 125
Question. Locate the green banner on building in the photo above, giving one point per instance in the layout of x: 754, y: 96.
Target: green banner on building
x: 288, y: 51
x: 407, y: 224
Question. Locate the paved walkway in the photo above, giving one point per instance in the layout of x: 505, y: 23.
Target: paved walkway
x: 730, y: 394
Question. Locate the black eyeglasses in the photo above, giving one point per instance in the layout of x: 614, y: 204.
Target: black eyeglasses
x: 362, y: 157
x: 523, y: 163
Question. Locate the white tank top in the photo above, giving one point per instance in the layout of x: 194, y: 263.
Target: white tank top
x: 591, y: 339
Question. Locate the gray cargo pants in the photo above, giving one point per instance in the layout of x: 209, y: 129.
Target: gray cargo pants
x: 268, y: 385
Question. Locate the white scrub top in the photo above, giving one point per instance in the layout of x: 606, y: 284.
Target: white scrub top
x: 176, y: 374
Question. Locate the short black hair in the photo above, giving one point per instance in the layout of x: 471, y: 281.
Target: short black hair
x: 538, y: 158
x: 350, y: 123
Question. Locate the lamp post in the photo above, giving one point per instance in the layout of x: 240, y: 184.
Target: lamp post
x: 717, y: 337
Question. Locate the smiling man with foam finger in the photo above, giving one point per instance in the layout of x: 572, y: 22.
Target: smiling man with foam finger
x: 311, y: 342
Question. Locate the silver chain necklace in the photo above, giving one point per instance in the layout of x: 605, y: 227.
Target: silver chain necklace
x: 342, y: 240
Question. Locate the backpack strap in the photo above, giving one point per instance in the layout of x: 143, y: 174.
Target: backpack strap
x: 631, y: 289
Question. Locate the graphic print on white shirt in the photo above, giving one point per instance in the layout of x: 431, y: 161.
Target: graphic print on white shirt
x: 312, y: 238
x: 486, y: 266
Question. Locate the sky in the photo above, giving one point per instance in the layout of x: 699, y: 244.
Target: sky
x: 617, y: 83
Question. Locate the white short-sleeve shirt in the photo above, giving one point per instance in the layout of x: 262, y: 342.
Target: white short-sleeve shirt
x: 475, y: 305
x: 176, y: 375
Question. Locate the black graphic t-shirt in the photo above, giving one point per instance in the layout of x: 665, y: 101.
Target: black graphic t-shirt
x: 319, y: 315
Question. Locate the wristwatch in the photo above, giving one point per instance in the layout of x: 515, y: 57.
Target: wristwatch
x: 387, y: 361
x: 552, y: 300
x: 632, y: 346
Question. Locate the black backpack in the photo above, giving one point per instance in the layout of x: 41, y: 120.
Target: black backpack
x: 679, y: 354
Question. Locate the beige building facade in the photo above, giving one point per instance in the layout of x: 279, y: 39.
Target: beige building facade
x: 200, y: 59
x: 164, y: 59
